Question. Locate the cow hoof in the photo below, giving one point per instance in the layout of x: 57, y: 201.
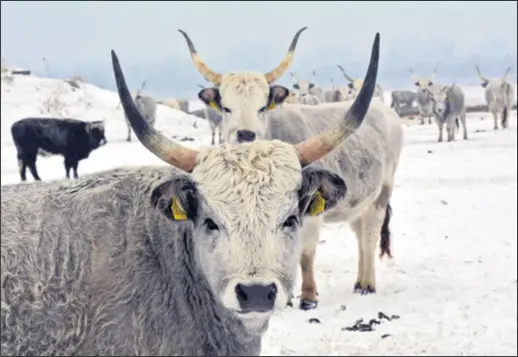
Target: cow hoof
x: 308, y: 304
x: 358, y: 289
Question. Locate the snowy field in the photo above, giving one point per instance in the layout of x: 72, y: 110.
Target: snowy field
x: 453, y: 279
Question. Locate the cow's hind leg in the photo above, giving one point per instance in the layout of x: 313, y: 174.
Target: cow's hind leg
x: 464, y: 126
x: 310, y: 238
x: 369, y: 228
x: 495, y: 119
x: 75, y: 164
x: 22, y: 167
x: 31, y: 163
x: 505, y: 114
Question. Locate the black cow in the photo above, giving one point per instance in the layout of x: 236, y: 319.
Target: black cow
x: 74, y: 139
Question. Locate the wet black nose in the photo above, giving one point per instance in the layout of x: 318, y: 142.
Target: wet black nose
x: 256, y: 298
x: 245, y: 136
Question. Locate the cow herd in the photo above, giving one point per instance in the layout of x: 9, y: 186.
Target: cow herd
x: 193, y: 259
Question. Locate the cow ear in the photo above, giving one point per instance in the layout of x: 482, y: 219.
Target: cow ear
x: 311, y: 86
x: 211, y: 97
x: 320, y: 191
x: 176, y: 199
x: 277, y: 96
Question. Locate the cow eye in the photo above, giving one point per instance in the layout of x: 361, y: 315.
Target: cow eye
x: 227, y: 110
x: 291, y: 222
x: 262, y: 109
x: 211, y: 225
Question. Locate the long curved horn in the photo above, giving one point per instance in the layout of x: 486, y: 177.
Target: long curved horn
x: 200, y: 65
x: 414, y: 77
x: 345, y: 74
x: 200, y: 86
x: 506, y: 73
x: 278, y: 71
x: 482, y: 78
x: 318, y: 146
x: 313, y: 77
x: 167, y: 150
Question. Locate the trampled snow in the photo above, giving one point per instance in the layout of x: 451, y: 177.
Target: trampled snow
x: 453, y: 279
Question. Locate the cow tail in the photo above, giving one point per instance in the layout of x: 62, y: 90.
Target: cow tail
x: 385, y: 234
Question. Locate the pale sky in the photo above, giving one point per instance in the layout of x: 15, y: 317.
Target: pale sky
x: 78, y: 36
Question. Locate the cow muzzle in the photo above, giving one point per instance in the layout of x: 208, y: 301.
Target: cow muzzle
x: 256, y: 297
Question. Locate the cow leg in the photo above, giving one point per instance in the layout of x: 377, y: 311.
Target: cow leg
x: 464, y: 126
x: 32, y: 168
x: 440, y: 125
x: 213, y: 142
x: 422, y: 119
x: 495, y: 119
x: 74, y: 167
x: 310, y: 238
x: 505, y: 114
x: 429, y: 120
x: 220, y: 139
x: 128, y: 138
x: 450, y: 129
x: 369, y: 228
x: 68, y: 166
x: 22, y: 167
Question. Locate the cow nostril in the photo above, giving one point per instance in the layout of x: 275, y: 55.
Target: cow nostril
x: 241, y: 295
x: 273, y: 292
x: 245, y: 136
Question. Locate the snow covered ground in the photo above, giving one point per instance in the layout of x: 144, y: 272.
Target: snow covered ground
x: 453, y: 279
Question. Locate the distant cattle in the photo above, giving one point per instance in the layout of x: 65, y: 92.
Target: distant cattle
x: 424, y: 89
x: 214, y: 119
x: 147, y: 107
x: 499, y: 95
x: 173, y: 103
x: 74, y: 139
x: 448, y: 108
x: 403, y: 98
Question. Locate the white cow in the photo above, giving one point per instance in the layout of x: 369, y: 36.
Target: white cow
x: 499, y: 95
x: 367, y: 160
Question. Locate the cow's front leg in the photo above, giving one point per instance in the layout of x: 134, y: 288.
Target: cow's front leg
x: 310, y: 238
x: 495, y: 120
x: 368, y: 230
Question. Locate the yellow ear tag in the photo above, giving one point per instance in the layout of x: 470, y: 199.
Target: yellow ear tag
x: 213, y: 105
x: 318, y: 205
x: 178, y: 212
x: 271, y: 105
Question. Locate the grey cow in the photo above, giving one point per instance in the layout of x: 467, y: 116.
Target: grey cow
x: 499, y: 95
x: 147, y: 107
x: 334, y: 94
x: 402, y: 98
x: 190, y: 262
x: 448, y: 108
x: 307, y: 91
x: 367, y: 160
x: 424, y: 88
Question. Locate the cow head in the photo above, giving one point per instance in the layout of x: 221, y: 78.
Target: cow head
x: 423, y: 83
x: 95, y: 130
x: 247, y: 201
x: 440, y: 99
x: 243, y: 98
x: 303, y: 87
x: 353, y: 85
x: 484, y: 81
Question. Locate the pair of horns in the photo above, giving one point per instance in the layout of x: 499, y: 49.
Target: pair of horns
x: 309, y: 150
x: 484, y: 79
x: 215, y: 77
x: 415, y: 79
